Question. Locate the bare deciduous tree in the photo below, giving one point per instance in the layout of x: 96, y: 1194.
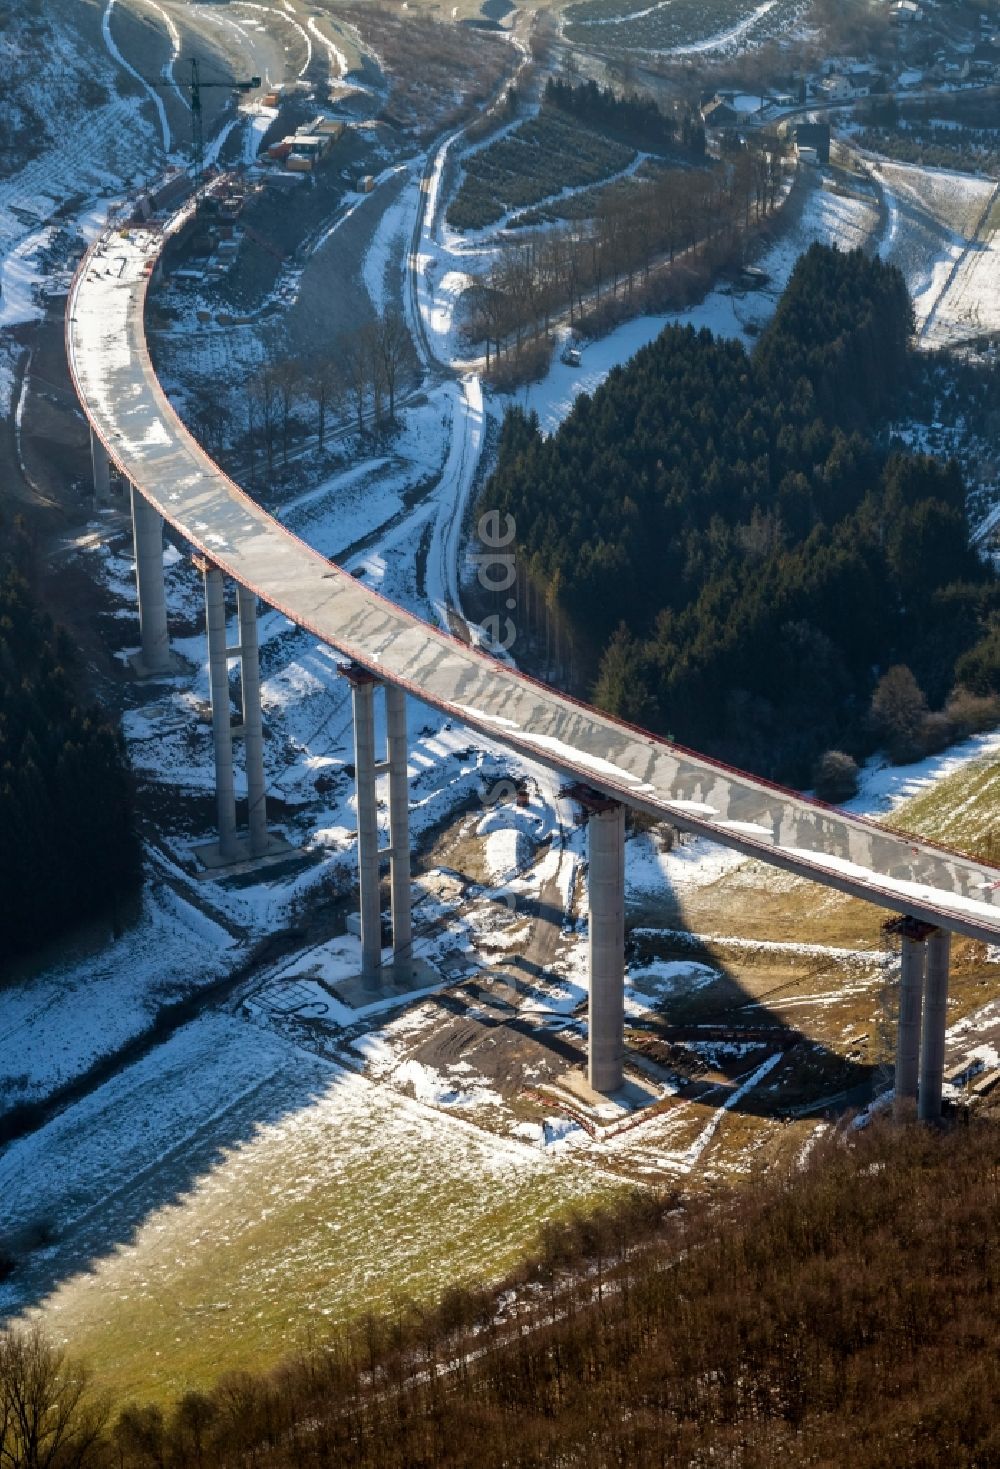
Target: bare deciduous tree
x: 288, y: 384
x: 264, y: 398
x: 393, y: 344
x: 48, y: 1417
x: 352, y: 352
x: 324, y: 384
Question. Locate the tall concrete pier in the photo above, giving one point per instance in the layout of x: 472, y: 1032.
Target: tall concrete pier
x: 367, y: 769
x: 101, y: 467
x: 399, y: 829
x: 606, y: 888
x: 253, y: 723
x: 363, y: 706
x: 911, y: 998
x: 222, y: 732
x: 935, y: 1024
x: 147, y: 536
x: 923, y: 1018
x: 231, y: 847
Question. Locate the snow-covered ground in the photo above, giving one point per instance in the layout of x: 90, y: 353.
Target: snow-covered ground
x: 230, y: 1132
x: 651, y: 28
x: 846, y: 219
x: 884, y: 787
x: 969, y: 305
x: 90, y: 1003
x: 240, y: 1183
x: 366, y: 515
x: 117, y: 143
x: 936, y: 237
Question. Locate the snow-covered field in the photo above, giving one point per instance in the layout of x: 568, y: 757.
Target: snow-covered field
x: 220, y: 1201
x: 663, y: 28
x: 328, y: 1190
x: 846, y: 219
x: 91, y: 1003
x: 937, y: 237
x: 969, y: 305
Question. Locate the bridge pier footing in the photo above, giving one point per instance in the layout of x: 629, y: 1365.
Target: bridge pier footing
x: 147, y: 536
x: 606, y: 888
x: 101, y: 466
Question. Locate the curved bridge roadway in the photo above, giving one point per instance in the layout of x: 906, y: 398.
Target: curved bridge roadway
x: 130, y: 413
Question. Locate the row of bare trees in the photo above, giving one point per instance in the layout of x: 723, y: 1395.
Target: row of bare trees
x: 573, y: 268
x: 355, y: 381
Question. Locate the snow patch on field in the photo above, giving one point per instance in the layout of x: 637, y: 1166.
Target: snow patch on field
x: 21, y: 273
x: 692, y: 863
x: 934, y: 219
x: 151, y: 92
x: 387, y: 245
x: 883, y: 787
x: 55, y: 1024
x: 843, y: 219
x: 459, y: 1087
x: 510, y: 835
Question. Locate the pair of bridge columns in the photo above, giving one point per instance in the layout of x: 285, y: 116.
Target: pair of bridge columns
x: 923, y: 1018
x: 367, y: 769
x: 155, y: 659
x: 923, y: 1008
x: 231, y: 846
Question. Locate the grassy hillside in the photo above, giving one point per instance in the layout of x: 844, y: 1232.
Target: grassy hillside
x: 845, y: 1315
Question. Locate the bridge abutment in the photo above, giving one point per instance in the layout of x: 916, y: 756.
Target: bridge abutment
x: 147, y: 535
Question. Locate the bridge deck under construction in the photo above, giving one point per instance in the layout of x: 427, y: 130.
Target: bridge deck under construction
x: 131, y: 414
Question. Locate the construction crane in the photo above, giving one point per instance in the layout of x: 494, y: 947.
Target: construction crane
x: 195, y: 87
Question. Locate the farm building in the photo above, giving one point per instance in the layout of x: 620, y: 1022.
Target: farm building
x: 719, y: 114
x: 815, y: 135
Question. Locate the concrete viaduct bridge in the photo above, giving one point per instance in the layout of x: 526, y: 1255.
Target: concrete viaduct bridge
x: 935, y: 892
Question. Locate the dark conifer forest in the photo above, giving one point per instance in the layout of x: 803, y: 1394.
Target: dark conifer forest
x: 635, y: 118
x: 730, y: 545
x: 67, y: 836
